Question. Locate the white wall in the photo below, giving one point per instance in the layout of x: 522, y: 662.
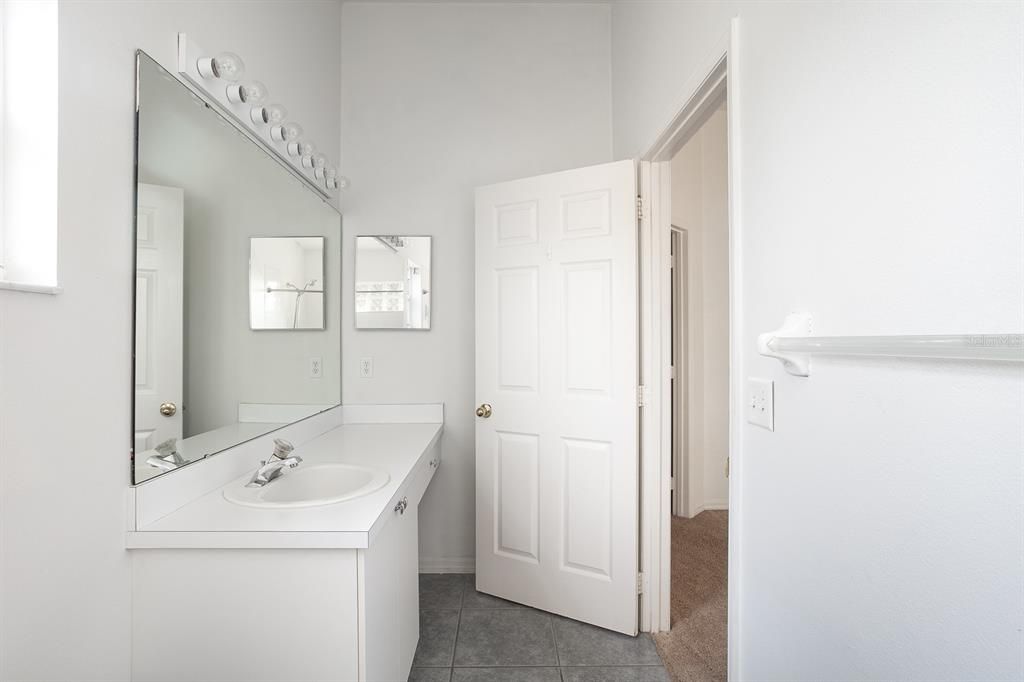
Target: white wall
x: 65, y: 360
x: 438, y: 99
x: 700, y: 205
x: 880, y: 181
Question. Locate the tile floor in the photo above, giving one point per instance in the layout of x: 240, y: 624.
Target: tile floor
x: 467, y: 636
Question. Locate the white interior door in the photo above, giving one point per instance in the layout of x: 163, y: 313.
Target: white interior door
x: 556, y: 362
x: 158, y: 315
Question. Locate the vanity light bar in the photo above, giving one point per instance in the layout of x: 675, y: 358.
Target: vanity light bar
x: 222, y: 78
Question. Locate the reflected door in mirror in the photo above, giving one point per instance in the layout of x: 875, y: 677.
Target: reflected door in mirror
x: 158, y: 316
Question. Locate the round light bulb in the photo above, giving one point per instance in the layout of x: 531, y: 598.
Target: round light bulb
x: 342, y: 182
x: 290, y: 133
x: 306, y: 148
x: 319, y: 166
x: 276, y: 114
x: 228, y: 66
x: 250, y: 93
x: 254, y: 92
x: 331, y: 172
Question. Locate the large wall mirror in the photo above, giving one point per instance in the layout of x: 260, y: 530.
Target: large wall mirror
x: 237, y: 281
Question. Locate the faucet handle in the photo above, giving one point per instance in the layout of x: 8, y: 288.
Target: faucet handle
x: 282, y: 448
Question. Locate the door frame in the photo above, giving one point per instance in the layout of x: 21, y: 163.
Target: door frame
x: 679, y: 351
x: 702, y: 93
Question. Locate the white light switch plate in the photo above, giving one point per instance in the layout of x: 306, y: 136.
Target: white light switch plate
x: 760, y: 403
x: 366, y: 368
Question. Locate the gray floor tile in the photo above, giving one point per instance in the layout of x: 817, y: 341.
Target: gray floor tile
x: 441, y: 590
x: 437, y: 638
x: 505, y: 637
x: 471, y: 599
x: 430, y: 675
x: 582, y: 644
x: 645, y: 673
x: 506, y: 675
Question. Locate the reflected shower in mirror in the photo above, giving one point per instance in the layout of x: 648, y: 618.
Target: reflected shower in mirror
x: 392, y: 287
x: 286, y: 277
x: 219, y: 222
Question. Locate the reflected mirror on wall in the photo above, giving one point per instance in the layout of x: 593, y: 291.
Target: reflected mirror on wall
x: 392, y: 288
x: 286, y: 283
x: 205, y: 377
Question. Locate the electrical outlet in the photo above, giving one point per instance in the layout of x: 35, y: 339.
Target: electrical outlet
x: 761, y: 402
x: 316, y: 368
x: 366, y: 368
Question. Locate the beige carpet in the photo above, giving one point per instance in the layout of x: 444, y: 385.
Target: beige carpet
x: 694, y: 651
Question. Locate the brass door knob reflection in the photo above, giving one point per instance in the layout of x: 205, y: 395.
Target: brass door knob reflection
x: 484, y: 411
x: 168, y: 409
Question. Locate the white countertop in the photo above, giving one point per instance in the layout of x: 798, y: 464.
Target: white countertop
x: 211, y: 521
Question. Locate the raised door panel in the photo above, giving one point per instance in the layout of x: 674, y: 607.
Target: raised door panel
x: 556, y: 358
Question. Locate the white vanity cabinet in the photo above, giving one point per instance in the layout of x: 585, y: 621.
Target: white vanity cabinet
x: 332, y: 599
x: 389, y: 586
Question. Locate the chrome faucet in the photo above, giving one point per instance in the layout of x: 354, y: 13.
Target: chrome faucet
x: 275, y: 466
x: 167, y: 456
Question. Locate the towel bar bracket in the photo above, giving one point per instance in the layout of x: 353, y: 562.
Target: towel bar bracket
x: 795, y: 325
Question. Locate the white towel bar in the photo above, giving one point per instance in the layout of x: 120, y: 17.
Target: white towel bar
x: 793, y: 345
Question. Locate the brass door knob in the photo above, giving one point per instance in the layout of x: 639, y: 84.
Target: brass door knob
x: 168, y: 409
x: 484, y: 411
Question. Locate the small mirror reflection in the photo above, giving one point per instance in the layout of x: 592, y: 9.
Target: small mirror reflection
x: 392, y: 288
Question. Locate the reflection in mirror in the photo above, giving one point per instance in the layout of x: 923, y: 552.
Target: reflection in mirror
x: 392, y: 289
x: 286, y: 277
x: 210, y: 202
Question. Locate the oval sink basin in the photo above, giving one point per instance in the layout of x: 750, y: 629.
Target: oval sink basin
x: 310, y: 486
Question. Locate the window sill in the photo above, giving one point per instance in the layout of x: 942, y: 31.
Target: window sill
x: 27, y: 288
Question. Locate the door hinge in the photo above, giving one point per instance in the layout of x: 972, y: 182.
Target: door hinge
x: 639, y: 208
x: 640, y: 395
x: 639, y: 583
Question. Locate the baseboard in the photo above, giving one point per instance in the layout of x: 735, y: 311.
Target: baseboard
x: 713, y: 505
x: 447, y: 565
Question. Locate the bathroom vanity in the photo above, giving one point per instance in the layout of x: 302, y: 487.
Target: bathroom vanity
x: 229, y: 591
x: 311, y: 574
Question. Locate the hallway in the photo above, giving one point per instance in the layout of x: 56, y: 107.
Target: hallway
x: 695, y: 649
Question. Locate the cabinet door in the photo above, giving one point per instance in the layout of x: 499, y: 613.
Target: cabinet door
x: 408, y: 586
x: 389, y: 608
